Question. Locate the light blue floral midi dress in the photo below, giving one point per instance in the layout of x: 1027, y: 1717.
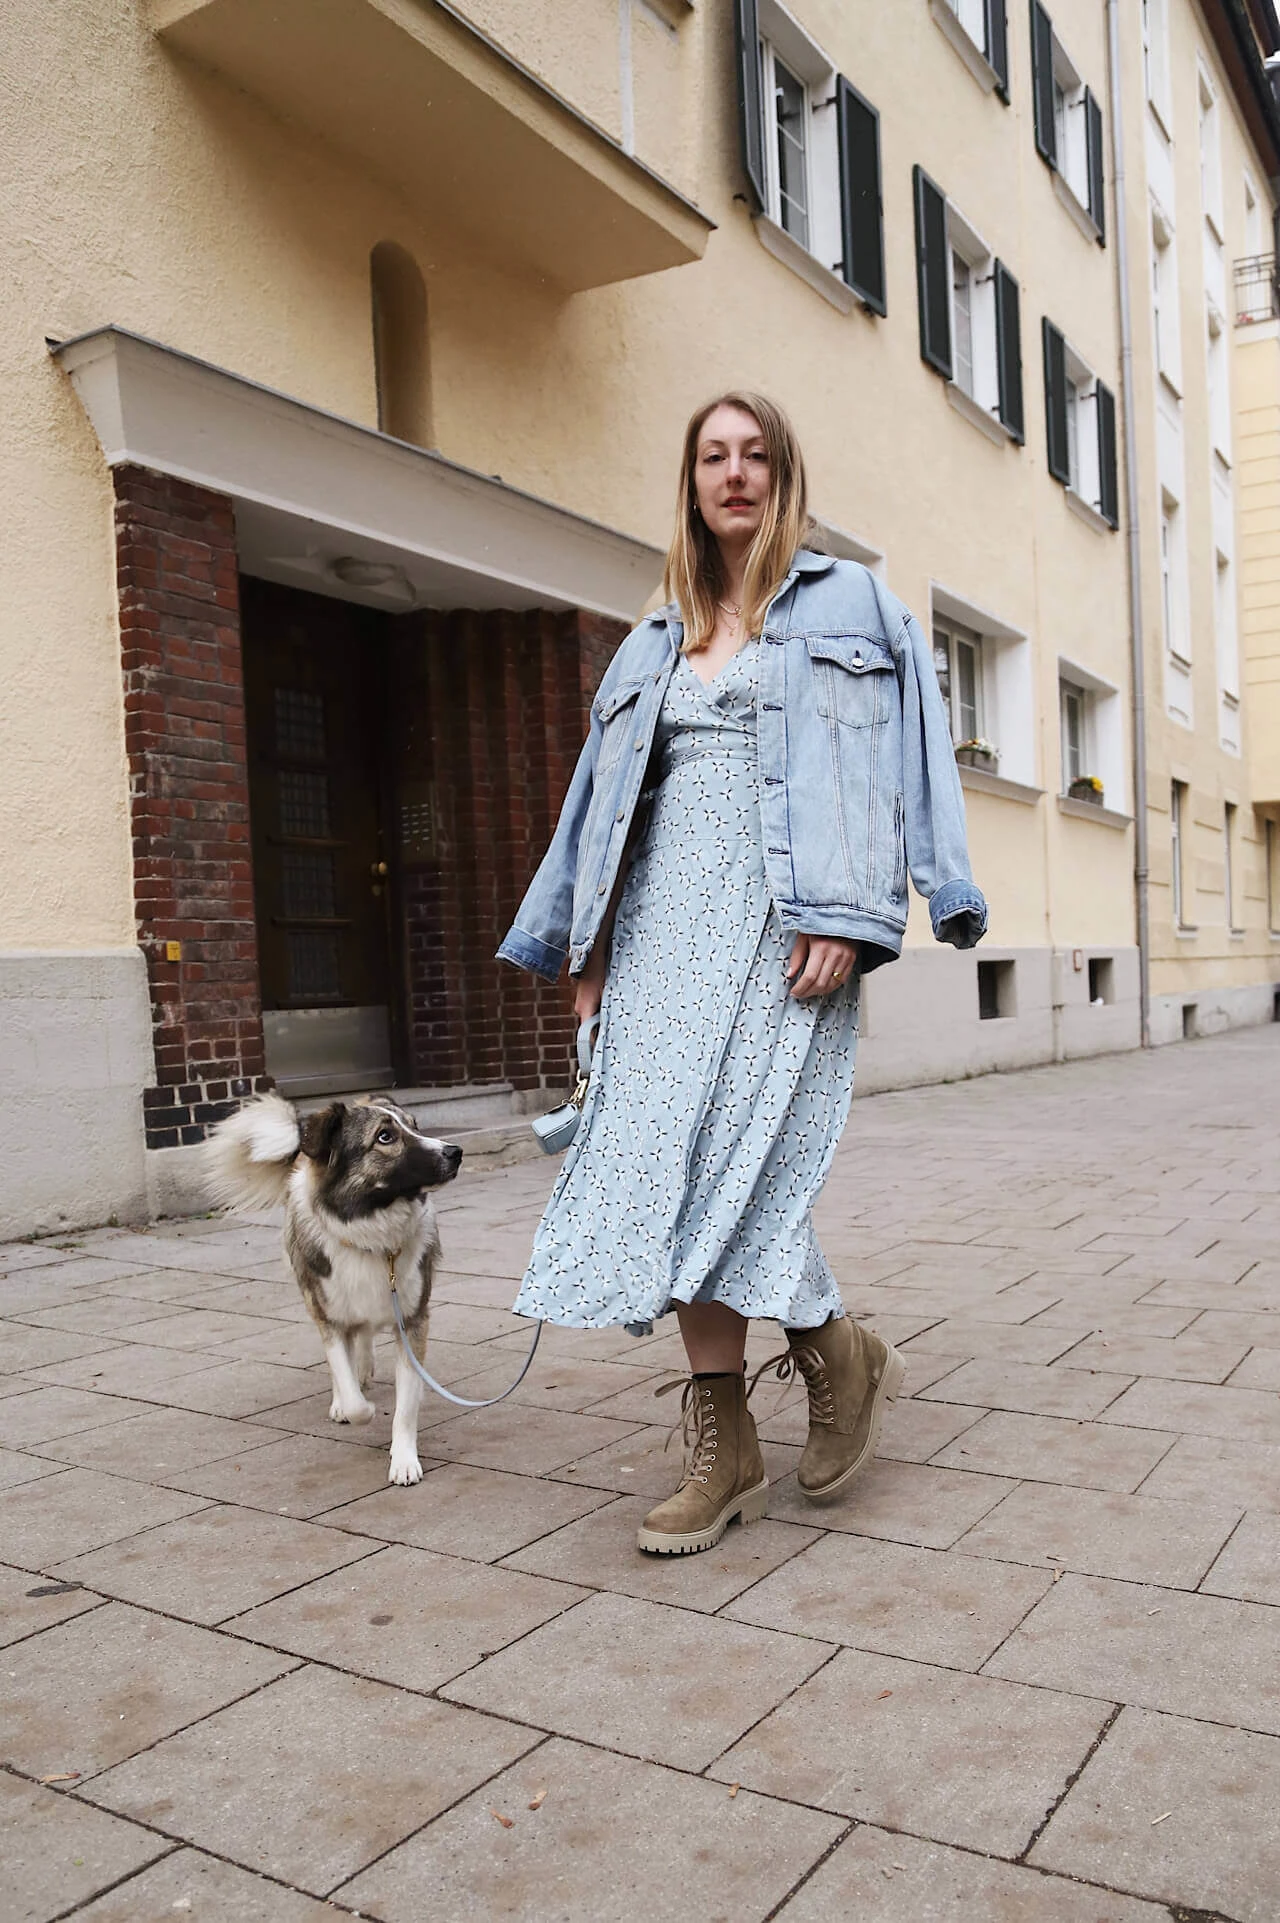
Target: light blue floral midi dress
x: 716, y: 1099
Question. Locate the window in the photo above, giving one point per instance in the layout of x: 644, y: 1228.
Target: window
x: 1177, y: 800
x: 1092, y: 737
x: 1080, y: 427
x: 957, y: 657
x: 979, y: 32
x: 1177, y: 639
x: 1074, y: 753
x: 1155, y: 59
x: 1219, y: 396
x: 811, y: 151
x: 1273, y: 876
x: 1210, y: 157
x: 1164, y: 299
x: 970, y: 329
x: 400, y: 345
x: 1252, y: 221
x: 1230, y: 816
x: 1068, y: 122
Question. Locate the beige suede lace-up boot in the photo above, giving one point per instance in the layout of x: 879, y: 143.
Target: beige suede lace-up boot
x: 851, y: 1375
x: 724, y: 1471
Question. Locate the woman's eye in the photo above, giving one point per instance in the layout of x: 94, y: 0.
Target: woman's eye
x: 386, y: 1135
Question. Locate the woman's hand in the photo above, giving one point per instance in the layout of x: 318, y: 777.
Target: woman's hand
x: 818, y: 965
x: 589, y: 987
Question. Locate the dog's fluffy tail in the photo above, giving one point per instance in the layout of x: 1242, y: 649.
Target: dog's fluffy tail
x: 250, y: 1156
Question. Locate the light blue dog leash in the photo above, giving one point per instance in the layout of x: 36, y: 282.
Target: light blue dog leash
x: 486, y: 1402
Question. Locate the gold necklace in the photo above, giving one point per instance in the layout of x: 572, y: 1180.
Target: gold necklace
x: 728, y: 610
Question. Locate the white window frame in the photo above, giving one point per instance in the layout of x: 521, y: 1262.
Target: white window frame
x: 1155, y: 62
x: 1210, y: 153
x: 1083, y: 451
x: 1227, y: 643
x: 1164, y: 299
x: 1102, y: 742
x: 1272, y: 856
x: 1007, y: 699
x: 1253, y: 232
x: 818, y: 256
x: 1073, y: 708
x: 1230, y: 864
x: 967, y: 247
x: 1177, y: 825
x: 1173, y: 580
x: 964, y: 23
x: 1071, y: 132
x: 962, y: 647
x: 1218, y: 382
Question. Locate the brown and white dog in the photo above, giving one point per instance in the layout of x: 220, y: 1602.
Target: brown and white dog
x: 355, y: 1181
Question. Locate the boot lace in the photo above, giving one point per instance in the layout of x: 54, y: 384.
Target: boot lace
x: 808, y: 1364
x: 698, y: 1429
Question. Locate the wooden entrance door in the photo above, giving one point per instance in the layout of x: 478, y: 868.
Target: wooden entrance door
x: 314, y: 701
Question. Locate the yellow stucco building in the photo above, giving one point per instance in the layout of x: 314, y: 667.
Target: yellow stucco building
x: 349, y: 346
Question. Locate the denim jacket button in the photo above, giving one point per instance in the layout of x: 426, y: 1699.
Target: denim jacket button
x: 621, y: 815
x: 639, y: 743
x: 600, y: 889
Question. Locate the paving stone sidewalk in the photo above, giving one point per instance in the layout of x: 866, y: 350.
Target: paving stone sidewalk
x: 1029, y: 1672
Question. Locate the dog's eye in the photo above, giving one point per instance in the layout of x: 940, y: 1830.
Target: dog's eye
x: 386, y: 1136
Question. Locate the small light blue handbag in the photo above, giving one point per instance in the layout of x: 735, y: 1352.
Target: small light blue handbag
x: 556, y: 1130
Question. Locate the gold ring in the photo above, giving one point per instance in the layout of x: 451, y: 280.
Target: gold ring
x: 837, y: 977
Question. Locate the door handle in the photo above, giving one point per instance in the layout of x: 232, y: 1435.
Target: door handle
x: 378, y: 870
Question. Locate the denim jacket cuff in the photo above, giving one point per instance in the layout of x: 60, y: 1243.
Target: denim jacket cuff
x: 959, y: 914
x: 538, y: 957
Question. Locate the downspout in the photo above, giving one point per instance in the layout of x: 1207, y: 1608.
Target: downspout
x: 1141, y: 838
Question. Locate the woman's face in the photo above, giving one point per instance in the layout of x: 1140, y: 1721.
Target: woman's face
x: 731, y: 475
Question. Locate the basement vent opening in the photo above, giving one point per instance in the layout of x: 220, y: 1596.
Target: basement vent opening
x: 996, y: 994
x: 1190, y: 1021
x: 1102, y: 980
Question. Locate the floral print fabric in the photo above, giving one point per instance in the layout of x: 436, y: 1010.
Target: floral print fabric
x: 716, y: 1100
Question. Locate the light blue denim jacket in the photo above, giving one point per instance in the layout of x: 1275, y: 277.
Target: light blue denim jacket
x: 857, y: 777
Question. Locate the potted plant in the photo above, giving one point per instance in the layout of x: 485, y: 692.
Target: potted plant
x: 978, y: 753
x: 1086, y: 788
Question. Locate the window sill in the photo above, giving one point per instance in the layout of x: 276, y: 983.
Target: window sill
x: 1169, y: 381
x: 1162, y: 119
x: 1093, y: 811
x: 778, y: 242
x: 987, y: 784
x: 986, y: 423
x: 1086, y: 512
x: 1183, y: 933
x: 969, y: 50
x: 1075, y: 207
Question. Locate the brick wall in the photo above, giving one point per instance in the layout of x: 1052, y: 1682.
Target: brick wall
x: 189, y: 799
x: 492, y: 713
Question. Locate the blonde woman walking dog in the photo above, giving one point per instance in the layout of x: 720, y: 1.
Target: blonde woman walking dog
x: 768, y: 755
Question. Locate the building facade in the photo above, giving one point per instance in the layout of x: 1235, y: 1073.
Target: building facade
x: 350, y: 346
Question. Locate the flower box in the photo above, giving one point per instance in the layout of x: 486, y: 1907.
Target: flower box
x: 1087, y: 788
x: 978, y: 754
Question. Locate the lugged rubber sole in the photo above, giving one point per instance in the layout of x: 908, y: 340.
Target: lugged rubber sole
x: 887, y: 1390
x: 750, y: 1506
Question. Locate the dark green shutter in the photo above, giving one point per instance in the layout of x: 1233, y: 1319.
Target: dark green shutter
x: 861, y: 214
x: 933, y: 272
x: 1009, y: 351
x: 1042, y: 83
x: 1108, y: 492
x: 998, y: 46
x: 1097, y: 175
x: 1055, y: 403
x: 751, y: 97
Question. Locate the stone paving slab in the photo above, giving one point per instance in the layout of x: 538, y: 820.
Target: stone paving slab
x: 57, y: 1852
x: 974, y: 1686
x: 314, y: 1778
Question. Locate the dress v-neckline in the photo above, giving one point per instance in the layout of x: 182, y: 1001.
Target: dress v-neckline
x: 737, y: 654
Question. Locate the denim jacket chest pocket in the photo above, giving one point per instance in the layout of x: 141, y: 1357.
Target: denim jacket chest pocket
x: 855, y: 678
x: 617, y: 719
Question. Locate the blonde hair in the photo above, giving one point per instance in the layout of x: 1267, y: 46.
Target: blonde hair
x: 694, y: 577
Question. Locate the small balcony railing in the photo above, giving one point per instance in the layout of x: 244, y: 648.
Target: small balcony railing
x: 1257, y: 295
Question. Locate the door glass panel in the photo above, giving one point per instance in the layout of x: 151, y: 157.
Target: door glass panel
x: 308, y: 890
x: 299, y: 725
x: 314, y: 974
x: 304, y: 803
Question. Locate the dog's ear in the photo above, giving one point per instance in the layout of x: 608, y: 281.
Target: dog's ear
x: 318, y: 1133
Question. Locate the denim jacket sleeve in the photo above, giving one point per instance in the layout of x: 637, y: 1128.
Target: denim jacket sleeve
x: 549, y: 900
x: 933, y: 811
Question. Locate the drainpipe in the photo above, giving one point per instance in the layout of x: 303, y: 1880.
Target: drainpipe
x: 1141, y: 839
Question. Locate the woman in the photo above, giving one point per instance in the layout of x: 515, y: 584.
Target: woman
x: 766, y: 756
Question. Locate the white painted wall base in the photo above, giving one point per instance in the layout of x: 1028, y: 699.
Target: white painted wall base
x: 1213, y: 1010
x: 920, y: 1020
x: 75, y: 1056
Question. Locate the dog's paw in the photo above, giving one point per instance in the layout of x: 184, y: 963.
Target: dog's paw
x: 362, y: 1412
x: 405, y: 1467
